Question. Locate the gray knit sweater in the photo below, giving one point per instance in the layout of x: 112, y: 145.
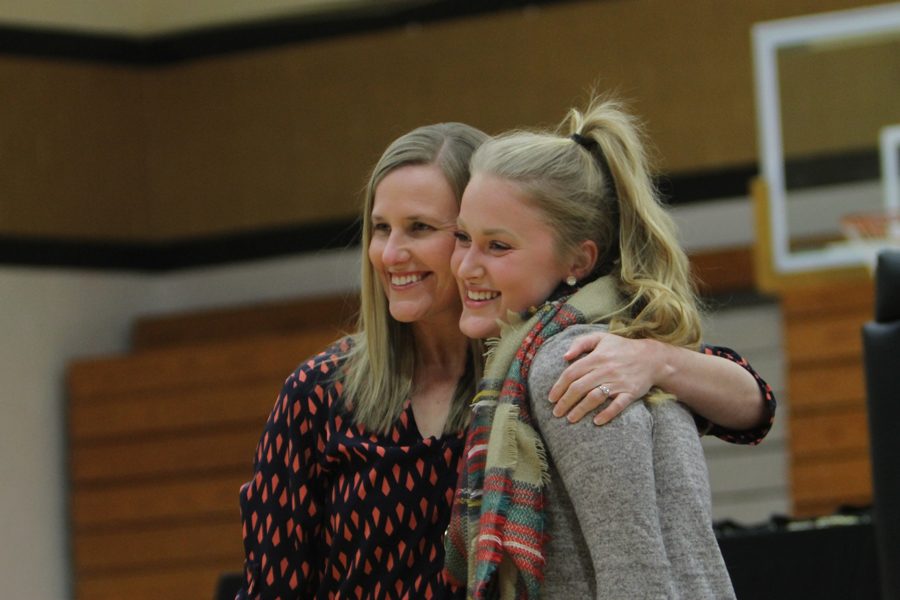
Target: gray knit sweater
x: 628, y: 504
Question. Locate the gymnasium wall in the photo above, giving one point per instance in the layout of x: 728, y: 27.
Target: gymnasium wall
x: 98, y: 150
x: 284, y: 135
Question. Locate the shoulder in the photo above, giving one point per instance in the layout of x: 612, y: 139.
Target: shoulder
x: 552, y: 350
x: 548, y: 362
x: 319, y: 374
x: 327, y: 361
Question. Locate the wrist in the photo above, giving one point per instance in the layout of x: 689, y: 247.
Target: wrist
x: 667, y: 364
x: 660, y: 356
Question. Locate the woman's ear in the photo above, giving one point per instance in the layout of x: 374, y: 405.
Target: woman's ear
x: 585, y: 259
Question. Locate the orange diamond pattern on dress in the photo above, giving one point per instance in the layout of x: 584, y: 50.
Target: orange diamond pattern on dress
x: 335, y: 511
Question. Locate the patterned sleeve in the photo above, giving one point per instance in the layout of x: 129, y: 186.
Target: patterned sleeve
x: 749, y: 436
x: 281, y: 506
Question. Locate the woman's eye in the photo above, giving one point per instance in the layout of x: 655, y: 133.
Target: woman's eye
x: 381, y: 228
x: 499, y: 246
x: 462, y: 237
x: 419, y: 226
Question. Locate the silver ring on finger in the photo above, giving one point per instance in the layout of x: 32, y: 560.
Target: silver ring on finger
x: 604, y: 389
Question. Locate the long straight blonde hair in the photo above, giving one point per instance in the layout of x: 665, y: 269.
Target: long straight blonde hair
x: 381, y: 364
x: 590, y: 179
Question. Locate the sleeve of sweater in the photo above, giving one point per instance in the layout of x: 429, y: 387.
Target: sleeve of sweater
x: 607, y: 473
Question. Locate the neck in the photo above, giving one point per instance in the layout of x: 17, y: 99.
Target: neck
x: 441, y: 350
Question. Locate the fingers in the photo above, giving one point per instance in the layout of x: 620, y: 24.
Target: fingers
x: 581, y: 390
x: 615, y: 408
x: 590, y: 402
x: 617, y: 402
x: 570, y: 386
x: 583, y: 344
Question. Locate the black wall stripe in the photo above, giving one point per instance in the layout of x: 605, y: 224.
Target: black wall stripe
x: 180, y: 254
x: 191, y: 44
x: 677, y: 189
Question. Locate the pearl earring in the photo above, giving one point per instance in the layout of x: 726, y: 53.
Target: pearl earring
x: 571, y: 281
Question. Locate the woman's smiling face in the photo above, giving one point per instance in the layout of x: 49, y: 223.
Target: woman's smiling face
x: 505, y: 257
x: 413, y: 219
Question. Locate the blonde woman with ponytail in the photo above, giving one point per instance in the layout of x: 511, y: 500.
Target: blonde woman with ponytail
x: 561, y: 235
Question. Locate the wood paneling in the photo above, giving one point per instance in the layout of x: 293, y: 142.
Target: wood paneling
x: 835, y: 433
x: 209, y: 325
x: 164, y: 411
x: 140, y: 458
x: 188, y: 581
x: 169, y: 545
x: 185, y: 367
x: 827, y: 386
x: 723, y: 270
x: 826, y: 485
x: 112, y: 505
x: 829, y: 437
x: 160, y: 441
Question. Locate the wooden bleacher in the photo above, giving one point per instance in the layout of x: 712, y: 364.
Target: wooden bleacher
x: 829, y: 434
x: 161, y: 439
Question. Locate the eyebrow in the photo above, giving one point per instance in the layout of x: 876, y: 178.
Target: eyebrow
x: 375, y: 215
x: 413, y: 218
x: 494, y: 231
x: 497, y: 231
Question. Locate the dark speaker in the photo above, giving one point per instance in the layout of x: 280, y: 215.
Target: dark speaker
x: 881, y: 349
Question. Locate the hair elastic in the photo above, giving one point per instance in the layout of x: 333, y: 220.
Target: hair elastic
x: 591, y: 145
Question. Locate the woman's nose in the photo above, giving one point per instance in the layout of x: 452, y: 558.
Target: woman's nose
x: 469, y: 266
x: 395, y: 250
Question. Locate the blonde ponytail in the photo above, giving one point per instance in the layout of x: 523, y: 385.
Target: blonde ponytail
x: 591, y: 180
x: 654, y: 271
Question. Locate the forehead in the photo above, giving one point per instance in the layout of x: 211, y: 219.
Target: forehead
x: 415, y: 189
x: 491, y: 196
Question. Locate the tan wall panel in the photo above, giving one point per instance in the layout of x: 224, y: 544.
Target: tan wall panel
x: 72, y: 149
x: 286, y: 136
x: 301, y: 126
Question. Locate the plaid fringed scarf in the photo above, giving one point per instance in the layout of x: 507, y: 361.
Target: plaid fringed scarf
x: 494, y: 544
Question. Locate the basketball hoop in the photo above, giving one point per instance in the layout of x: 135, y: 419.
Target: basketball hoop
x: 869, y: 233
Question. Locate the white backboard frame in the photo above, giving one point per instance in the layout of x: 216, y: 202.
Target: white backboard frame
x: 890, y: 172
x: 768, y: 38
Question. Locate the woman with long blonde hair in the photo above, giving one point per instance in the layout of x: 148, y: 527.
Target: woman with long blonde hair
x: 562, y: 234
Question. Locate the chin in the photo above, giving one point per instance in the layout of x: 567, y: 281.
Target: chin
x: 404, y: 316
x: 477, y: 329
